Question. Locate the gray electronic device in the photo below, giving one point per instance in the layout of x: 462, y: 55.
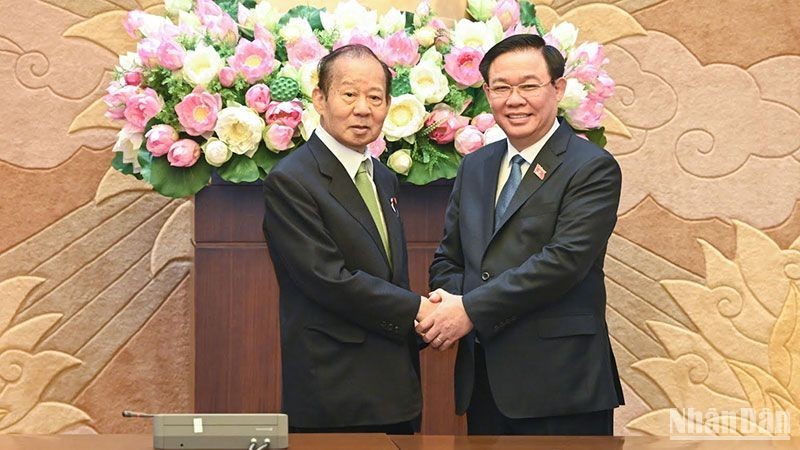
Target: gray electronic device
x: 218, y: 431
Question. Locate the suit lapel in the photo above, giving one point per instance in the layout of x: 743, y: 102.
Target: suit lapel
x: 344, y: 190
x: 488, y: 188
x: 549, y: 161
x: 393, y: 226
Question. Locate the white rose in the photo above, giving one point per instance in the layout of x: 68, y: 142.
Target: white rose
x: 474, y: 34
x: 240, y: 127
x: 493, y: 134
x: 176, y: 6
x: 201, y: 65
x: 392, y: 22
x: 566, y: 34
x: 481, y: 9
x: 428, y: 83
x: 296, y: 28
x: 308, y: 78
x: 309, y: 120
x: 348, y: 16
x: 574, y: 94
x: 128, y: 144
x: 400, y: 161
x: 425, y: 35
x: 433, y: 56
x: 405, y: 117
x: 216, y: 152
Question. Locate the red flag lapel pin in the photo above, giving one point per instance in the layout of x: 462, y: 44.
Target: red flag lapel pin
x: 393, y: 202
x: 539, y: 171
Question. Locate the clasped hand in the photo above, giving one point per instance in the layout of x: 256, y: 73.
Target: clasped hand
x: 442, y: 320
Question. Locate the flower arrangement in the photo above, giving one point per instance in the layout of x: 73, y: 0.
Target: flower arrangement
x: 226, y: 87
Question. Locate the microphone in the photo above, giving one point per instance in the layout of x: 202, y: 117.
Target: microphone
x: 127, y: 413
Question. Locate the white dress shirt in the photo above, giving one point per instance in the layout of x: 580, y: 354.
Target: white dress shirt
x: 529, y: 155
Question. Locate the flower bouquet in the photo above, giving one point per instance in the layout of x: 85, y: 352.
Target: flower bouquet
x: 226, y: 87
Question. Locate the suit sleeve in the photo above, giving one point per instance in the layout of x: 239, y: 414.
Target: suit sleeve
x: 447, y: 268
x: 584, y: 224
x: 296, y: 233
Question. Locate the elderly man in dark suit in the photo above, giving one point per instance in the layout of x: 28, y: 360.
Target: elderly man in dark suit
x: 349, y: 351
x: 520, y: 266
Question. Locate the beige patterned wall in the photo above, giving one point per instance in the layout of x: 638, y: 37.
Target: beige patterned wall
x: 703, y: 269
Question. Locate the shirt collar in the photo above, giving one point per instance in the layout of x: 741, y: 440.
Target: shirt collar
x: 529, y: 154
x: 349, y: 158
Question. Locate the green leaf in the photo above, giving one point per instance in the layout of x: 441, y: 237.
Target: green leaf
x: 177, y: 182
x: 309, y: 13
x: 239, y: 169
x: 401, y: 83
x: 145, y: 160
x: 445, y: 166
x: 126, y: 169
x: 597, y: 136
x: 266, y: 159
x: 480, y: 104
x: 527, y: 13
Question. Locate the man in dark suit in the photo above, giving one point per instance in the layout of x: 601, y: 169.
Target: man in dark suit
x: 348, y: 347
x: 520, y: 266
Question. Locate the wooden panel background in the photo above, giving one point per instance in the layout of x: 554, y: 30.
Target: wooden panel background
x: 236, y: 303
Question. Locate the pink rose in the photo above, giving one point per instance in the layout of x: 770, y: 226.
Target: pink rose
x: 133, y: 21
x: 462, y: 65
x: 147, y: 49
x: 278, y: 137
x: 400, y: 50
x: 444, y: 118
x: 160, y: 138
x: 437, y: 23
x: 197, y: 112
x: 377, y: 147
x: 227, y: 76
x: 117, y: 99
x: 284, y: 113
x: 254, y: 60
x: 507, y: 12
x: 306, y: 50
x: 587, y: 115
x: 170, y: 54
x: 133, y: 78
x: 257, y: 97
x: 370, y: 41
x: 183, y: 153
x: 142, y: 107
x: 483, y: 121
x: 468, y: 139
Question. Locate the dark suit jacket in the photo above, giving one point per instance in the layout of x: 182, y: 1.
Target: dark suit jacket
x: 348, y: 347
x: 534, y: 289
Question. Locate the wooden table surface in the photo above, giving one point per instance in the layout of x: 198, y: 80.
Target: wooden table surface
x: 384, y: 442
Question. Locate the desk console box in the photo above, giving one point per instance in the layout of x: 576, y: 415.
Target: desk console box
x: 219, y: 431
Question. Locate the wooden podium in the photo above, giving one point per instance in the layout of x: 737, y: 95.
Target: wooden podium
x: 237, y: 339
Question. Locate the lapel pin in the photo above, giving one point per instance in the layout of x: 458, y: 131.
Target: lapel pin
x: 393, y: 202
x: 539, y: 171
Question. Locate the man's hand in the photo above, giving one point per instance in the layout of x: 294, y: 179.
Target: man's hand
x: 446, y: 324
x: 426, y: 307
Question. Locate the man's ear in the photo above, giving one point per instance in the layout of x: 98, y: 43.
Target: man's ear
x: 486, y: 92
x: 318, y: 98
x: 561, y: 87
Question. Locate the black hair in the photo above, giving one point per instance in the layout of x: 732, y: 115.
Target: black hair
x: 520, y: 42
x: 351, y: 51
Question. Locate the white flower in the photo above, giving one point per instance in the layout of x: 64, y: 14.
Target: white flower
x: 566, y: 34
x: 574, y: 94
x: 433, y: 56
x: 405, y: 117
x: 189, y: 24
x: 348, y: 16
x: 296, y: 28
x: 392, y: 22
x: 308, y: 78
x: 481, y: 9
x: 400, y: 161
x: 154, y: 26
x: 216, y: 152
x: 425, y: 35
x: 176, y: 6
x: 265, y: 15
x: 477, y: 35
x: 130, y: 62
x: 493, y: 134
x: 309, y: 120
x: 128, y: 143
x: 240, y: 127
x: 201, y: 65
x: 428, y: 83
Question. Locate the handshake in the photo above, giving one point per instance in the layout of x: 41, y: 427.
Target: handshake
x: 441, y: 320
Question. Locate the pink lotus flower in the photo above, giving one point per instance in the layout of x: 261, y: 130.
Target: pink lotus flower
x: 377, y: 147
x: 284, y: 113
x: 147, y: 49
x: 170, y: 54
x: 591, y: 53
x: 400, y: 50
x: 371, y: 41
x: 603, y: 86
x: 254, y: 60
x: 437, y: 23
x: 183, y: 153
x: 462, y: 65
x: 447, y: 123
x: 133, y: 78
x: 468, y: 139
x: 219, y: 25
x: 133, y: 21
x: 257, y: 97
x: 117, y: 99
x: 306, y: 50
x: 483, y: 121
x: 160, y: 138
x: 507, y: 12
x: 520, y: 29
x: 587, y: 115
x: 278, y: 137
x: 142, y: 107
x: 227, y: 76
x: 197, y: 112
x: 585, y: 73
